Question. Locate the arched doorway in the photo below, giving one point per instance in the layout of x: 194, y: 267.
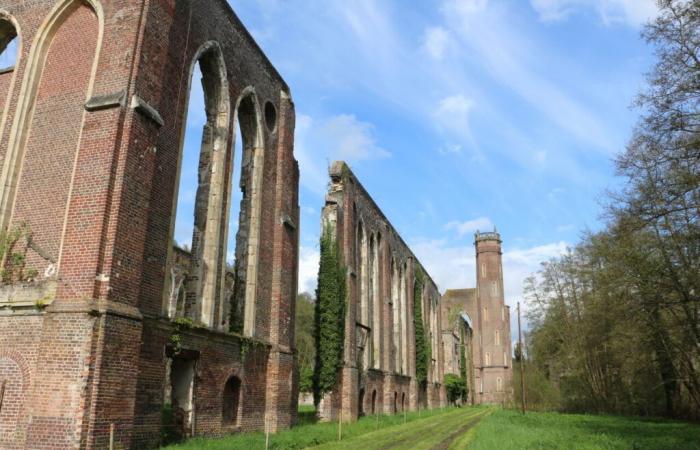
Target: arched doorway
x: 231, y: 401
x: 362, y: 402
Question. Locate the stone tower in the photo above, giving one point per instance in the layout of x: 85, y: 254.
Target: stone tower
x: 492, y: 348
x: 105, y: 328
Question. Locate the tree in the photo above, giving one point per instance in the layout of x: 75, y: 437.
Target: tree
x: 616, y: 320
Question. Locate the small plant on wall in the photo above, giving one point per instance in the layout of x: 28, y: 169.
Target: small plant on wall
x: 329, y: 317
x: 13, y: 254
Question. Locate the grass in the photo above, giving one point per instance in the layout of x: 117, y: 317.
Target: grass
x: 510, y: 430
x: 311, y: 434
x: 475, y: 428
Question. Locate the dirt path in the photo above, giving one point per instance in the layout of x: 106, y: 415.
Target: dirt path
x: 432, y: 433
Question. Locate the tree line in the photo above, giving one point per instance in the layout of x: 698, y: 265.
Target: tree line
x: 614, y: 321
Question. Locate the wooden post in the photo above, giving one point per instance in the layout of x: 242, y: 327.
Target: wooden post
x: 267, y: 431
x: 111, y: 436
x: 340, y: 424
x: 522, y: 357
x: 377, y: 414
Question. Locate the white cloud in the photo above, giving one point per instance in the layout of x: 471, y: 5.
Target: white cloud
x: 470, y: 226
x: 435, y: 42
x: 351, y: 139
x: 470, y: 6
x: 308, y: 269
x: 630, y: 12
x: 452, y: 114
x: 318, y: 142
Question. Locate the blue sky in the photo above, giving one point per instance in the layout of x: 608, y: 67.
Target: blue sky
x: 460, y: 115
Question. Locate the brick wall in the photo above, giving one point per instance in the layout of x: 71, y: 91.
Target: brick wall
x: 358, y: 222
x: 93, y: 173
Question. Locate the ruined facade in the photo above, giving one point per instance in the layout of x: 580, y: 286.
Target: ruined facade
x: 458, y: 340
x: 105, y: 327
x: 491, y: 373
x: 379, y: 357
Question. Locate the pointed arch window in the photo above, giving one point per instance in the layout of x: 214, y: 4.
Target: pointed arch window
x: 200, y: 211
x: 9, y: 46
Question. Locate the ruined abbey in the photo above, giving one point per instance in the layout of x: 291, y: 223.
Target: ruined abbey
x: 110, y: 334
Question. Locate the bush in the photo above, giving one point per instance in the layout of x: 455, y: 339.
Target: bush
x: 455, y: 387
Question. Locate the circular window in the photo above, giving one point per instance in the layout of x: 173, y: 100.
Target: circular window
x: 270, y: 116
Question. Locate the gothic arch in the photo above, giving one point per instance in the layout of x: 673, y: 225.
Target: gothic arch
x: 36, y: 60
x: 248, y: 115
x: 208, y: 236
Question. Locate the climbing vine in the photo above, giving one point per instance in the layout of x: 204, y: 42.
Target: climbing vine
x: 329, y: 316
x: 463, y: 360
x: 422, y: 345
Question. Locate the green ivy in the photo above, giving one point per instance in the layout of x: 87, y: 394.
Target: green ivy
x: 329, y: 316
x: 180, y: 324
x: 422, y: 345
x: 463, y: 360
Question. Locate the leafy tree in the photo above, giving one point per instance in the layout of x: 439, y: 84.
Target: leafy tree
x: 616, y: 321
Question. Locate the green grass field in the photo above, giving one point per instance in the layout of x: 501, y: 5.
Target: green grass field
x: 475, y: 428
x: 511, y: 430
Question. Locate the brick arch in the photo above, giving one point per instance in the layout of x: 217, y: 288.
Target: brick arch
x: 53, y: 85
x: 15, y: 373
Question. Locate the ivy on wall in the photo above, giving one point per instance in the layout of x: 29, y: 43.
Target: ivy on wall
x: 463, y: 359
x: 329, y: 317
x: 422, y: 345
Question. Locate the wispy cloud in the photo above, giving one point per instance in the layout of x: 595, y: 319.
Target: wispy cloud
x: 470, y: 226
x: 489, y: 34
x: 629, y: 12
x: 321, y: 141
x: 452, y: 114
x: 435, y: 42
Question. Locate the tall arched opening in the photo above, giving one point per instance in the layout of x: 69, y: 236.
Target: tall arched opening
x: 200, y: 202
